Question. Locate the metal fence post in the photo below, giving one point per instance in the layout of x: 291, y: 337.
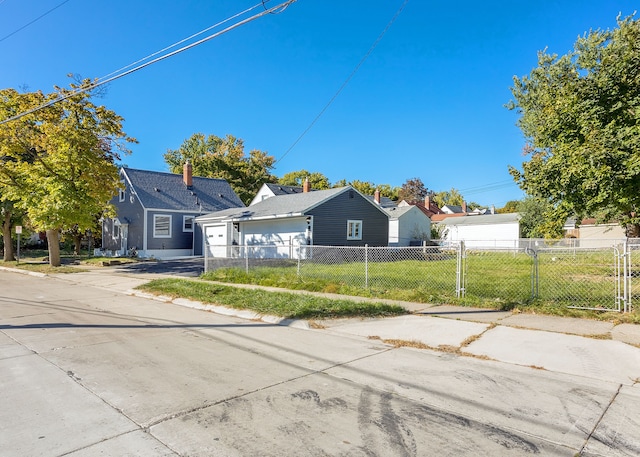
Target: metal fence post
x: 246, y: 258
x: 460, y: 278
x: 366, y: 266
x: 299, y: 256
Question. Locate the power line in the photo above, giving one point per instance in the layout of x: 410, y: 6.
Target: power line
x: 185, y: 39
x: 344, y: 84
x: 100, y: 82
x: 35, y: 20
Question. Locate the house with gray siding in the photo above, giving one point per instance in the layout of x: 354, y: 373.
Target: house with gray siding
x: 155, y: 212
x: 334, y: 217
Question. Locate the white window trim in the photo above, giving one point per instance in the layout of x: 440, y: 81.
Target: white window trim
x: 155, y: 218
x: 115, y: 232
x: 121, y: 195
x: 184, y: 223
x: 354, y: 229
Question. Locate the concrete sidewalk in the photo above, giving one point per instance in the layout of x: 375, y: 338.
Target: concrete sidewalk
x: 584, y: 347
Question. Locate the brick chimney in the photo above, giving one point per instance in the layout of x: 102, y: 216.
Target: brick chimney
x: 187, y: 174
x: 427, y: 202
x: 464, y: 207
x: 306, y: 187
x: 376, y: 196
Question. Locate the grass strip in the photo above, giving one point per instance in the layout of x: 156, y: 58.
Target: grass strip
x: 282, y: 304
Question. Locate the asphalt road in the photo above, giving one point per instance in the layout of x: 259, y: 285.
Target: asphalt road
x: 183, y: 267
x: 85, y: 371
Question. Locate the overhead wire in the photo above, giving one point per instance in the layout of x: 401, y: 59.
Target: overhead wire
x: 184, y: 40
x: 100, y: 82
x: 33, y: 21
x: 344, y: 84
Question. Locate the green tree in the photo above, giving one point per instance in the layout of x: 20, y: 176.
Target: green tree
x: 580, y: 114
x: 58, y: 163
x: 538, y: 219
x: 510, y: 207
x: 224, y: 158
x: 448, y: 197
x: 364, y: 187
x: 296, y: 178
x: 413, y: 190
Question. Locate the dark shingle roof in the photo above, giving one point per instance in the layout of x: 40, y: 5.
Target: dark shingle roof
x: 167, y: 191
x: 385, y: 202
x: 279, y: 189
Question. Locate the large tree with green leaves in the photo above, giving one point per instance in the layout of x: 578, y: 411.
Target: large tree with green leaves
x: 580, y: 114
x: 224, y: 158
x: 296, y: 178
x: 448, y: 197
x: 58, y: 162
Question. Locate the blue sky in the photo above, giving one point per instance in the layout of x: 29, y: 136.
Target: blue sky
x: 428, y: 102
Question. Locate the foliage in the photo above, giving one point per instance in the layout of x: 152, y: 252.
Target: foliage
x: 537, y: 219
x: 413, y: 190
x: 296, y: 178
x: 448, y: 197
x: 369, y: 188
x: 224, y: 158
x: 510, y: 207
x: 580, y: 114
x: 58, y: 163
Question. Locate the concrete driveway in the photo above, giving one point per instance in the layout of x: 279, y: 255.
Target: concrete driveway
x: 88, y: 371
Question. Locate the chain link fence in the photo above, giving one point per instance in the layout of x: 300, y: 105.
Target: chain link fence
x: 558, y: 272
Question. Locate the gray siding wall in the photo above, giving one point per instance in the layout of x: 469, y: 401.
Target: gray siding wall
x: 330, y: 221
x: 179, y: 239
x: 126, y: 211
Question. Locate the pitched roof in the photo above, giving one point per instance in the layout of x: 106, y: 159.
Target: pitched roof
x: 283, y: 206
x: 397, y: 211
x: 168, y: 191
x: 280, y: 206
x: 482, y: 219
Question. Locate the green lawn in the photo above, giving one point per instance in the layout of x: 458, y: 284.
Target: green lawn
x: 498, y: 280
x: 282, y: 304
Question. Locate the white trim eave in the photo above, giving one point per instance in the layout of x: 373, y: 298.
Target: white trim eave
x: 131, y: 186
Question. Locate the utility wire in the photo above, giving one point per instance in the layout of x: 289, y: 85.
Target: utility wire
x: 35, y: 20
x: 281, y: 7
x: 344, y: 84
x: 184, y: 40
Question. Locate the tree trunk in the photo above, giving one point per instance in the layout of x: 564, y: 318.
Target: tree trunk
x: 6, y: 237
x: 77, y: 241
x: 633, y: 231
x: 53, y: 239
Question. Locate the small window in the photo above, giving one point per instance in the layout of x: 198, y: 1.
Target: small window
x: 354, y: 230
x: 187, y: 223
x: 121, y: 195
x: 161, y: 226
x: 116, y: 230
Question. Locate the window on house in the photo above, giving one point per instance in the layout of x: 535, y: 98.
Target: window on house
x: 187, y: 223
x: 116, y: 230
x: 354, y: 230
x: 121, y: 195
x: 161, y: 226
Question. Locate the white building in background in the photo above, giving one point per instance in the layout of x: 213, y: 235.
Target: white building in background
x: 483, y: 231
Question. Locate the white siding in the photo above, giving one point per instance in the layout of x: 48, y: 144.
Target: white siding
x: 504, y: 235
x: 274, y: 236
x: 216, y: 239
